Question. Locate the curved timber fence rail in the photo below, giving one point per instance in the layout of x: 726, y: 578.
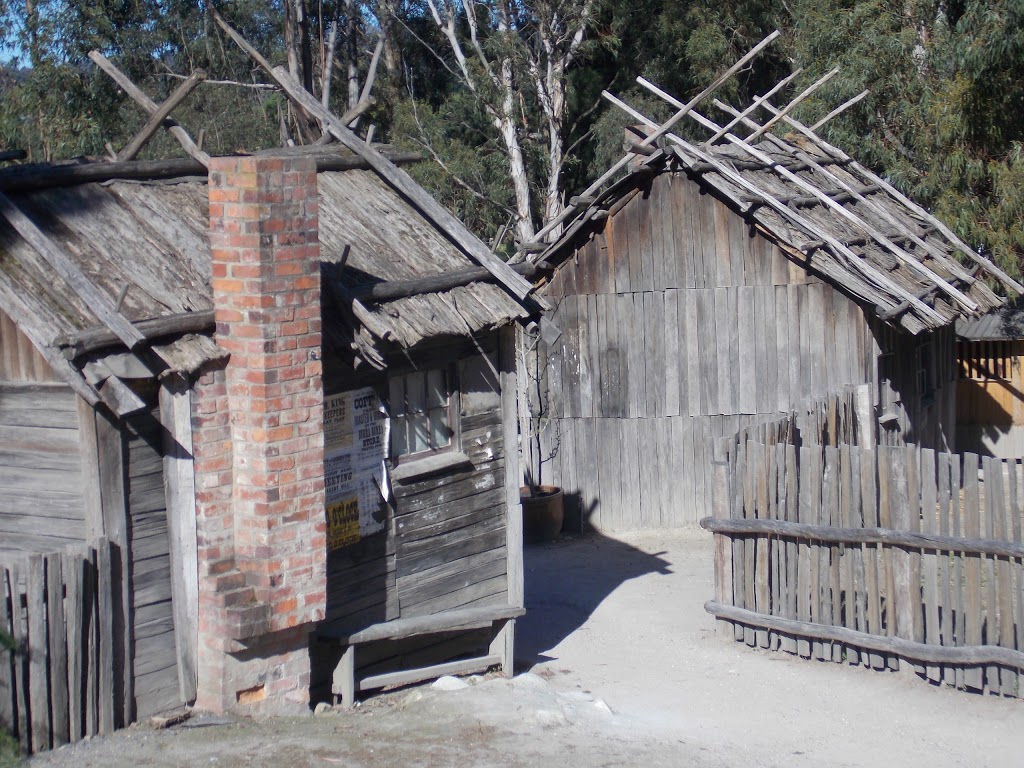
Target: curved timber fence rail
x: 874, y: 556
x: 62, y: 681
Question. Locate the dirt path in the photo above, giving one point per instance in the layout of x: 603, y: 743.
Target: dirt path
x: 627, y: 670
x: 652, y: 653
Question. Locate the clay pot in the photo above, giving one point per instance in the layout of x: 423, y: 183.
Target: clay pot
x: 543, y: 511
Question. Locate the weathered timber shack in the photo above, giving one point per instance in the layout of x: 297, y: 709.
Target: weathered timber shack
x: 990, y: 391
x: 711, y: 286
x: 249, y: 416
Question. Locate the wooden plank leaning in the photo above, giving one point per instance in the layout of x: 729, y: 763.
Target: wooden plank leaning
x: 73, y: 622
x: 19, y: 626
x: 805, y: 517
x: 788, y: 453
x: 1004, y: 580
x: 945, y: 594
x: 58, y: 649
x: 1015, y: 498
x: 738, y: 476
x: 958, y: 498
x: 37, y: 650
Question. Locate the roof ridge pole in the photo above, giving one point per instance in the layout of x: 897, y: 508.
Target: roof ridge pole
x: 753, y: 107
x: 837, y: 153
x: 684, y: 109
x: 911, y: 263
x: 952, y: 266
x: 793, y: 104
x: 855, y: 261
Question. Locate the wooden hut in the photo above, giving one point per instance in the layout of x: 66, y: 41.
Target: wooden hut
x: 990, y: 390
x: 704, y: 287
x: 283, y: 390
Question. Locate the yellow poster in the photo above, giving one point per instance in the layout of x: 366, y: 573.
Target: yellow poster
x: 343, y: 523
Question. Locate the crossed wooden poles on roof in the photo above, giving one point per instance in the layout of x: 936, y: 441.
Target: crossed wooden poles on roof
x: 752, y: 152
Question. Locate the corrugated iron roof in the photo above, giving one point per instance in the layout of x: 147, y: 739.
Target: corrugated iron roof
x: 998, y: 325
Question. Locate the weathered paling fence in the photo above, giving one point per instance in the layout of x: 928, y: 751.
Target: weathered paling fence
x: 835, y: 419
x: 871, y: 555
x: 61, y: 684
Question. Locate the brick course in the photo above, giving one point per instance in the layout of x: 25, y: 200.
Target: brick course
x: 258, y: 440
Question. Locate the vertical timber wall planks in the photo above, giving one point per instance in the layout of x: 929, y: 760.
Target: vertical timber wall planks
x: 679, y: 325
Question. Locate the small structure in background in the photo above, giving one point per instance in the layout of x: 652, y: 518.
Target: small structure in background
x: 990, y: 392
x: 255, y: 413
x: 703, y: 286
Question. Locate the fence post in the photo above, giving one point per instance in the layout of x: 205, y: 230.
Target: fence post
x: 723, y: 547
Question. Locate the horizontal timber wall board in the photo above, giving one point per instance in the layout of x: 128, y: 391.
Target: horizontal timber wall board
x: 40, y: 468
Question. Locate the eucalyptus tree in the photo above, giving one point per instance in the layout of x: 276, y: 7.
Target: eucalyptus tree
x: 513, y: 57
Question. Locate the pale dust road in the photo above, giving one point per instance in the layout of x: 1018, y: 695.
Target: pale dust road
x: 623, y: 617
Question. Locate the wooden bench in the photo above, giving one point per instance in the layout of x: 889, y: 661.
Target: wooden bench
x: 346, y: 684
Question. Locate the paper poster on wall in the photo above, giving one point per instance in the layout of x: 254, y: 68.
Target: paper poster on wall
x: 356, y: 438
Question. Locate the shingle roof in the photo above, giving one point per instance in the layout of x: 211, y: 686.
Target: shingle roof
x: 843, y: 221
x: 150, y: 238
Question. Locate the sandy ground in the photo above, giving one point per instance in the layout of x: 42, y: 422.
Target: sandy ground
x: 622, y: 667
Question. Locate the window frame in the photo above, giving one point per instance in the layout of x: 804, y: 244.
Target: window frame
x: 454, y: 446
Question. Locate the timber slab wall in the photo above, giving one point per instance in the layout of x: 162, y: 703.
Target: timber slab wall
x: 445, y: 546
x: 681, y: 323
x: 40, y: 468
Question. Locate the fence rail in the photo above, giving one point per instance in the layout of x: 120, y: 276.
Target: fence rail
x: 59, y: 683
x: 872, y: 555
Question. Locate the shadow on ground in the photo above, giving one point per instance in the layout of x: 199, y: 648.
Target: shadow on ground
x: 565, y: 583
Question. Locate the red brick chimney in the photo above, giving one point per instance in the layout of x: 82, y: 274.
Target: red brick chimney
x: 258, y: 440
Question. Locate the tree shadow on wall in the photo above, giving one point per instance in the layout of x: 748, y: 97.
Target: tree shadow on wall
x: 567, y: 579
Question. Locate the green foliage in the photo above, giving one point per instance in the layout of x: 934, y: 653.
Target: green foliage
x: 473, y: 182
x: 944, y: 121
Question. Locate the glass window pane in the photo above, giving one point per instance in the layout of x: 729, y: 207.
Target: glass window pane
x: 420, y: 435
x: 416, y: 392
x: 397, y: 395
x: 440, y: 434
x: 399, y: 437
x: 437, y: 389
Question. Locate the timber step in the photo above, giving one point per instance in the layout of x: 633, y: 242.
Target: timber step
x: 346, y: 684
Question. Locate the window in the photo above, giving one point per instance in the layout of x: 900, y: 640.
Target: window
x: 422, y: 418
